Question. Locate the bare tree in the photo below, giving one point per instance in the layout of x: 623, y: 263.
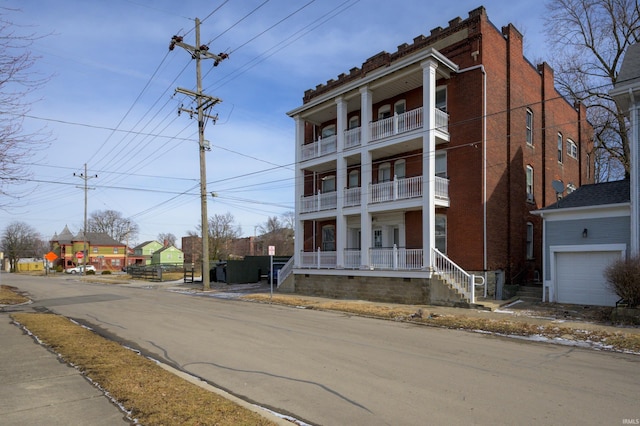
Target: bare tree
x: 19, y: 241
x: 168, y: 237
x: 112, y: 223
x: 17, y: 83
x: 278, y: 232
x: 222, y: 230
x: 588, y: 39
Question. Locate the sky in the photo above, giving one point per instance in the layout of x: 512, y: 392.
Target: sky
x: 110, y: 100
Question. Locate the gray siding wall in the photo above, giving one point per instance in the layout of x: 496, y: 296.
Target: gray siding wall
x: 610, y: 230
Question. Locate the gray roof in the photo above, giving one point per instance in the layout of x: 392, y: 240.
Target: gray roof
x: 630, y: 68
x: 98, y: 239
x: 597, y: 194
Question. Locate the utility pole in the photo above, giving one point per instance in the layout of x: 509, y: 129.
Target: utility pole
x: 204, y: 102
x: 84, y: 176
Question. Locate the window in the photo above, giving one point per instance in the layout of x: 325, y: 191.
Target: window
x: 354, y: 179
x: 441, y: 98
x: 115, y: 250
x: 328, y: 131
x: 377, y: 238
x: 329, y: 238
x: 441, y: 233
x: 354, y: 122
x: 328, y: 184
x: 529, y: 183
x: 400, y: 107
x: 384, y: 112
x: 572, y: 149
x: 529, y: 240
x: 94, y: 249
x: 560, y: 148
x: 441, y: 164
x: 399, y: 169
x: 384, y: 172
x: 529, y: 125
x: 115, y: 262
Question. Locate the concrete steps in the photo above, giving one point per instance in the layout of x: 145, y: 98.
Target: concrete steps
x: 530, y: 293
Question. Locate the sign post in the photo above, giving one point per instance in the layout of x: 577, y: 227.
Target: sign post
x: 272, y: 252
x: 51, y: 256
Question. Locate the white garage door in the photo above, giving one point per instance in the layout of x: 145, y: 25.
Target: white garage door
x: 580, y: 279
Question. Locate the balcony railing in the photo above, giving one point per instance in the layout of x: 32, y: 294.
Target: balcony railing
x: 319, y: 148
x: 406, y: 122
x: 352, y: 138
x: 401, y: 189
x: 442, y: 121
x: 352, y: 258
x: 320, y: 201
x: 352, y: 197
x: 396, y: 258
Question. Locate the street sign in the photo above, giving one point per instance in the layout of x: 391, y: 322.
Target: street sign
x: 272, y: 250
x: 79, y: 255
x: 51, y: 256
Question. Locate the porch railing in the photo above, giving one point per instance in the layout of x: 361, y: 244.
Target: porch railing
x: 352, y: 138
x: 352, y: 258
x: 396, y: 258
x: 320, y: 201
x: 352, y: 197
x: 319, y: 148
x: 318, y: 259
x: 455, y: 276
x: 285, y: 271
x: 400, y: 189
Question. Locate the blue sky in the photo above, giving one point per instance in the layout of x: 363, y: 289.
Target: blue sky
x: 110, y: 101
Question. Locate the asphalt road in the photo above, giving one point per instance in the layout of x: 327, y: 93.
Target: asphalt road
x: 334, y: 369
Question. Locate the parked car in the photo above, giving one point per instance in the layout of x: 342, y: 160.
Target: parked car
x: 78, y: 269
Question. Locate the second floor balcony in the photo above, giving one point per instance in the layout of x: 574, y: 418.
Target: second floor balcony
x: 398, y: 189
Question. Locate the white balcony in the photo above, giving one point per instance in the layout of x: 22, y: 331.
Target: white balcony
x: 352, y: 138
x: 406, y: 122
x: 352, y: 197
x: 319, y: 202
x: 402, y: 189
x: 319, y: 148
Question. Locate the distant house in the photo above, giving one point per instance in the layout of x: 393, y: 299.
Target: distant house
x: 591, y: 227
x: 144, y: 252
x: 169, y: 255
x: 96, y: 248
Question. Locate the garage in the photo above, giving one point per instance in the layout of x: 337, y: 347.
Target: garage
x: 580, y: 279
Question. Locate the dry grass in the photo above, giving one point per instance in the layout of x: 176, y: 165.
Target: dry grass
x: 9, y: 296
x: 151, y: 394
x: 619, y: 341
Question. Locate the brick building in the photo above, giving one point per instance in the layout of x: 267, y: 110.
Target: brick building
x: 429, y: 160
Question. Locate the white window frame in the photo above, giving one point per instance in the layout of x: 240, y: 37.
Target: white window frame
x: 572, y: 149
x: 529, y: 127
x: 441, y: 163
x: 384, y: 172
x: 529, y: 182
x: 354, y: 174
x: 328, y: 238
x: 328, y: 184
x: 441, y: 232
x: 384, y: 112
x: 328, y: 131
x: 560, y: 148
x: 354, y: 122
x: 400, y: 107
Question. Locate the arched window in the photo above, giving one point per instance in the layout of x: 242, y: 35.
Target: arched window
x: 384, y: 172
x: 354, y: 122
x: 384, y: 112
x: 328, y: 184
x: 399, y: 169
x: 400, y: 107
x: 529, y: 124
x: 354, y: 179
x: 529, y: 183
x: 329, y: 238
x: 328, y: 131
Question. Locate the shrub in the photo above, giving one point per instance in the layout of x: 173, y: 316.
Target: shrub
x: 107, y: 272
x: 623, y: 278
x: 59, y: 268
x: 90, y: 272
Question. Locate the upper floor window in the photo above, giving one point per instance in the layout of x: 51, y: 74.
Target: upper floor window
x: 441, y: 98
x: 328, y: 131
x: 572, y: 149
x: 384, y: 112
x: 328, y: 184
x: 354, y: 179
x: 441, y: 163
x: 529, y: 240
x: 354, y: 122
x: 560, y: 150
x: 400, y: 107
x: 115, y: 250
x: 529, y: 125
x: 384, y: 172
x: 95, y: 249
x: 529, y: 183
x: 399, y: 169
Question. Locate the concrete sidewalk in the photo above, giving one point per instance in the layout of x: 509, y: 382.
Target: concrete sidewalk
x: 36, y: 388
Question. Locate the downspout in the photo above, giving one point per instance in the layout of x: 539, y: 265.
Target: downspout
x: 484, y: 165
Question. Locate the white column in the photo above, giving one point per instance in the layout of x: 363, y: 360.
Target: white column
x: 341, y: 182
x: 428, y: 160
x: 366, y: 101
x: 298, y: 240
